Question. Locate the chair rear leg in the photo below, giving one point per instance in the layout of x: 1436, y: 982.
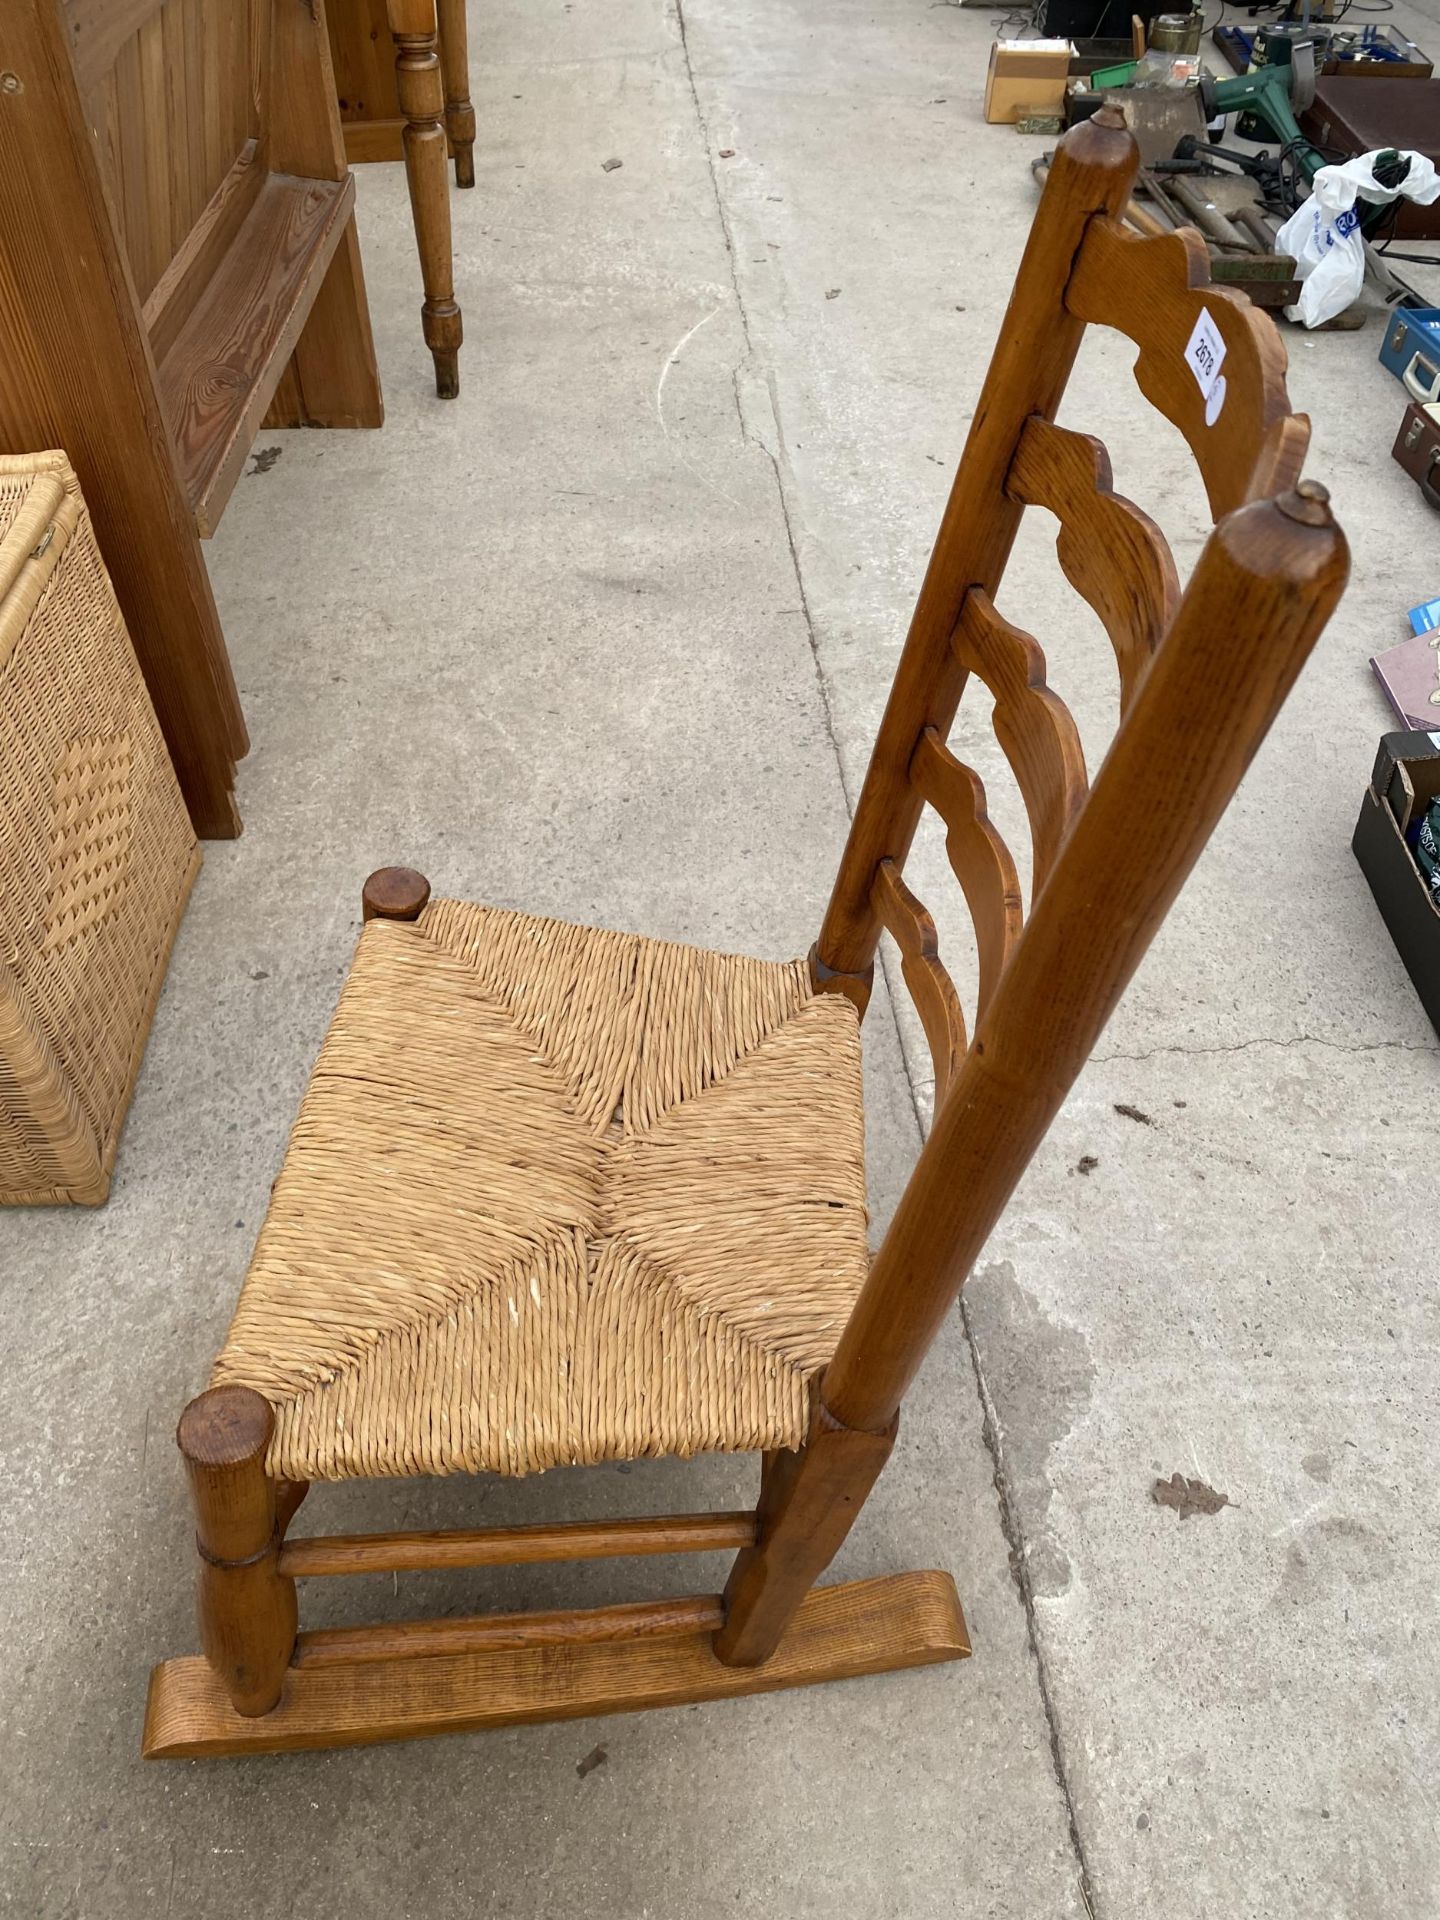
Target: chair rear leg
x: 808, y: 1503
x: 248, y: 1609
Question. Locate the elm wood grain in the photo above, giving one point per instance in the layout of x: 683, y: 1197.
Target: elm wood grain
x: 838, y: 1633
x: 217, y: 380
x: 514, y: 1546
x: 910, y: 926
x: 332, y: 379
x: 1114, y: 556
x: 198, y: 258
x: 1033, y: 725
x: 979, y: 857
x: 76, y: 372
x: 1155, y: 290
x: 809, y: 1500
x: 394, y: 893
x: 510, y: 1632
x: 1265, y: 585
x: 248, y: 1609
x: 1092, y: 173
x: 415, y: 28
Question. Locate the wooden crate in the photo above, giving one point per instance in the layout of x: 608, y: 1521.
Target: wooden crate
x: 97, y: 854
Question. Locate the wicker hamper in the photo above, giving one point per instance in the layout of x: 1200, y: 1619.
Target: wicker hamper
x: 96, y: 851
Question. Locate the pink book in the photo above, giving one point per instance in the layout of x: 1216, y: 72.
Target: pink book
x: 1410, y: 678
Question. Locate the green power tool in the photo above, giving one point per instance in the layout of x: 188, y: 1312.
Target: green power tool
x: 1273, y: 94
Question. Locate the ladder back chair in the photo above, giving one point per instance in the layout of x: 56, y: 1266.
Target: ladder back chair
x: 561, y: 1195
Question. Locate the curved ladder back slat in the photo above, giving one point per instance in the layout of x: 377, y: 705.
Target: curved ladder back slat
x: 908, y: 923
x: 1114, y: 556
x: 1033, y: 725
x: 1247, y: 443
x: 979, y: 857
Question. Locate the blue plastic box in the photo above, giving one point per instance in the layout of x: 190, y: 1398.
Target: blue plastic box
x: 1411, y: 351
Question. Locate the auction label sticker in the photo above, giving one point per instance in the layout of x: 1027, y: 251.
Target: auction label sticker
x: 1203, y: 354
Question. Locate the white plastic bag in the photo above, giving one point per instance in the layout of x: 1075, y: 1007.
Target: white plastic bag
x: 1324, y: 233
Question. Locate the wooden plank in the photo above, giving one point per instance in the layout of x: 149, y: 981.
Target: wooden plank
x: 183, y: 283
x: 838, y: 1633
x: 332, y: 379
x: 374, y: 140
x: 515, y: 1546
x: 218, y: 377
x: 510, y: 1632
x: 150, y: 250
x: 98, y: 29
x: 363, y: 54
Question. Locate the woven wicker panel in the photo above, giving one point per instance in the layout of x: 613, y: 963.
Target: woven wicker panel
x: 97, y: 853
x: 556, y: 1195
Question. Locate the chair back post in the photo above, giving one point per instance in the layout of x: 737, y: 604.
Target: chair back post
x: 1093, y: 171
x: 1264, y: 587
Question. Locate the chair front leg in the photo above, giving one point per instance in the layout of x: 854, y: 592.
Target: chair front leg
x: 415, y: 28
x: 808, y: 1503
x: 248, y: 1609
x: 459, y: 113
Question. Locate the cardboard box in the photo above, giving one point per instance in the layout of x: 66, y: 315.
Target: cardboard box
x: 1406, y: 779
x: 1026, y: 77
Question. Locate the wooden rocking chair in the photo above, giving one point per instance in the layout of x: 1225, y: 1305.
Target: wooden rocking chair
x: 565, y: 1196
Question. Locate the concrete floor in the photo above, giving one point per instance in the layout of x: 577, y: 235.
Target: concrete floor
x: 608, y: 638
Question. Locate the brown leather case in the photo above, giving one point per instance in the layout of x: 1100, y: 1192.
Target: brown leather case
x: 1358, y: 114
x: 1417, y: 448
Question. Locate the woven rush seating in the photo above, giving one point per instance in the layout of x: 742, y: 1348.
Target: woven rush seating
x: 556, y: 1196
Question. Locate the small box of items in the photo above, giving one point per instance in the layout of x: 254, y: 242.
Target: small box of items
x: 1026, y: 80
x: 1397, y: 842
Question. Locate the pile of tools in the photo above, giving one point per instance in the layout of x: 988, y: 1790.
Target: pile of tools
x: 1224, y: 194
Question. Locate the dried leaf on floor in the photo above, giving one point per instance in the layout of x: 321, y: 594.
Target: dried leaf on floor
x: 1188, y: 1497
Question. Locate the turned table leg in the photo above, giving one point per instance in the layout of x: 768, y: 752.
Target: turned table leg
x: 248, y: 1610
x: 415, y: 29
x: 459, y: 113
